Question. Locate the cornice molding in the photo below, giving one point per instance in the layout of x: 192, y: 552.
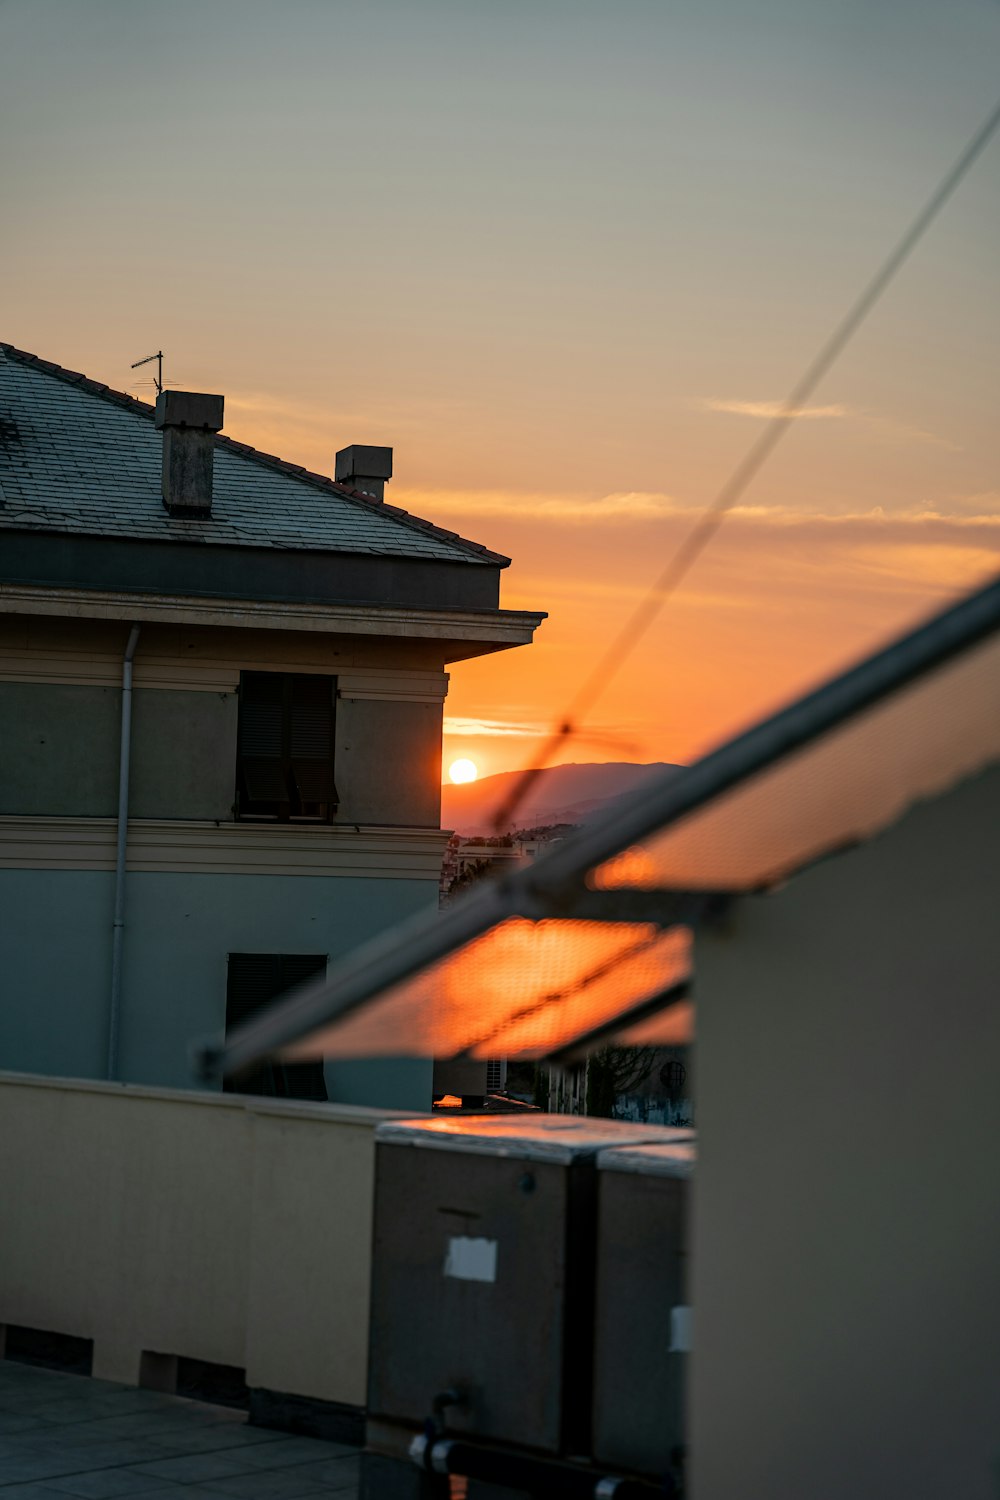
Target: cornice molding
x: 206, y: 848
x: 501, y: 627
x: 61, y: 666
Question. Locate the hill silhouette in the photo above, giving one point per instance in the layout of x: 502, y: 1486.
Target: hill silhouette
x: 561, y: 794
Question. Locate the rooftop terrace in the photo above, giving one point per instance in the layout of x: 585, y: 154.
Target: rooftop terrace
x: 68, y: 1435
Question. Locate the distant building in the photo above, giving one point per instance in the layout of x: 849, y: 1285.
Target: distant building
x: 221, y: 690
x: 469, y: 859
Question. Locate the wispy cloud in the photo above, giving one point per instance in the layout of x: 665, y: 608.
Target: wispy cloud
x: 649, y: 506
x: 887, y: 427
x: 619, y: 739
x: 473, y: 728
x: 878, y: 516
x: 978, y: 507
x: 634, y: 505
x: 767, y: 410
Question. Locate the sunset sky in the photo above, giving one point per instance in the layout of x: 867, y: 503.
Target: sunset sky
x: 565, y: 257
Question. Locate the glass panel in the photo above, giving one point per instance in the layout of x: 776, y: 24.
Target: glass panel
x: 521, y: 990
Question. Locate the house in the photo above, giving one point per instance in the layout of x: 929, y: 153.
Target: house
x: 830, y: 877
x: 221, y: 690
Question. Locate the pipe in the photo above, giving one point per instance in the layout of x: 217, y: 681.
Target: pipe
x: 118, y: 922
x: 553, y: 1478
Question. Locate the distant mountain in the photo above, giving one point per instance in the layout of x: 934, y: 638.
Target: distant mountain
x: 562, y: 794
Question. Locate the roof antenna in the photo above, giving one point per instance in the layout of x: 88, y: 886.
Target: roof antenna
x: 158, y: 377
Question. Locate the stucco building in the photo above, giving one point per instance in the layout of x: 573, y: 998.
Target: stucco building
x: 221, y: 691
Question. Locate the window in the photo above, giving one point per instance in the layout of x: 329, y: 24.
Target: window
x: 672, y: 1076
x: 285, y: 748
x: 254, y: 980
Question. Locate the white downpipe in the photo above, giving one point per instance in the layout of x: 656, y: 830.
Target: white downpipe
x: 118, y: 924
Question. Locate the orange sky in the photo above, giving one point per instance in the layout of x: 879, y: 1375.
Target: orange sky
x: 564, y: 259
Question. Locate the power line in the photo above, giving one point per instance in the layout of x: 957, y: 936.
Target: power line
x: 704, y: 529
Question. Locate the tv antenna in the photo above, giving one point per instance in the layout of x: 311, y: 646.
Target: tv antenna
x: 158, y: 377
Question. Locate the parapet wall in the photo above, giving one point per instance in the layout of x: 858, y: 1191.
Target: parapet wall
x: 210, y: 1227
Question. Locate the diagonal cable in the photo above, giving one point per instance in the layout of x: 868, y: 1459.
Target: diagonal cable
x: 708, y: 523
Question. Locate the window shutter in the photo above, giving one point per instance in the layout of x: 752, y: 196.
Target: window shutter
x: 254, y: 980
x: 261, y: 713
x: 263, y: 782
x: 311, y: 742
x: 286, y: 747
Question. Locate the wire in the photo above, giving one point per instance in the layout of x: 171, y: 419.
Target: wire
x: 704, y: 529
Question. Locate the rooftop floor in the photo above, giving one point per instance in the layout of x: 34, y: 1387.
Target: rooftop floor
x: 68, y: 1435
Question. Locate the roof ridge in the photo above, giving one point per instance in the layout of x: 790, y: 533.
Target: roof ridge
x: 266, y: 460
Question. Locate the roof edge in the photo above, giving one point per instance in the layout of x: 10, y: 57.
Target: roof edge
x: 502, y: 627
x: 266, y: 460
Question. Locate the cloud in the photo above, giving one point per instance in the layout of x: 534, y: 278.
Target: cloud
x: 783, y: 515
x: 644, y: 506
x: 983, y: 506
x: 888, y: 427
x: 471, y: 728
x: 634, y: 505
x: 768, y: 410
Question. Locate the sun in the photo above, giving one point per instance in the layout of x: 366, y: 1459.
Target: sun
x: 463, y: 770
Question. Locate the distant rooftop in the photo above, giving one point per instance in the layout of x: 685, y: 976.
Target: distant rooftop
x: 77, y: 457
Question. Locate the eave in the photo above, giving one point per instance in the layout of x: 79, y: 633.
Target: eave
x: 462, y: 633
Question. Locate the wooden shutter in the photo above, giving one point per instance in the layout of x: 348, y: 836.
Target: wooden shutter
x: 263, y: 789
x: 310, y: 745
x: 286, y: 747
x: 254, y: 981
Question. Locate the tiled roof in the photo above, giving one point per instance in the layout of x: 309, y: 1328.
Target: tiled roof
x: 76, y: 456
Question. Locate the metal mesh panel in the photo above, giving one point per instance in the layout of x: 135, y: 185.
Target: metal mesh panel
x: 521, y: 989
x: 673, y: 1027
x: 842, y: 789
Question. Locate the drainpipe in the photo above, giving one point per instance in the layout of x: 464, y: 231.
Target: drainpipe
x: 118, y: 924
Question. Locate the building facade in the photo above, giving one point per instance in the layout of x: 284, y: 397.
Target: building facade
x: 221, y: 692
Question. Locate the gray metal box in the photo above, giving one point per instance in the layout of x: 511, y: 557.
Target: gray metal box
x: 483, y: 1273
x: 642, y: 1319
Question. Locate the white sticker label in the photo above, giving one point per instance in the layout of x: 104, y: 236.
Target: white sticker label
x: 471, y: 1259
x: 680, y: 1330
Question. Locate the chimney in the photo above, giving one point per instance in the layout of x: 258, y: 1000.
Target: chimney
x: 190, y: 422
x: 362, y: 467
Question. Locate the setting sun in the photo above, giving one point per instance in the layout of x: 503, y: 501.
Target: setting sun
x: 463, y: 770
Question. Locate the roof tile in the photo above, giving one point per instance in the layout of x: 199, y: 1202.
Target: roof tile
x: 88, y: 460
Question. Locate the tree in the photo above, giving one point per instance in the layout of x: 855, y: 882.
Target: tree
x: 612, y: 1071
